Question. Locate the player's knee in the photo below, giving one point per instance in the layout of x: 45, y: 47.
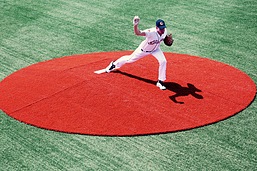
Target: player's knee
x: 163, y: 62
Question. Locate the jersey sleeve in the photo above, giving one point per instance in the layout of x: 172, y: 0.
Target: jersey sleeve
x: 147, y: 32
x: 165, y: 33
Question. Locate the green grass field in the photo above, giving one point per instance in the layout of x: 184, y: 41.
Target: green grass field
x: 39, y: 30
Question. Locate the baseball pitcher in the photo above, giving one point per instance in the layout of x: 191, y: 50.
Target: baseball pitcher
x: 151, y: 45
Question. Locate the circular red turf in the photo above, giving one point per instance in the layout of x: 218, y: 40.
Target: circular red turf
x: 65, y: 95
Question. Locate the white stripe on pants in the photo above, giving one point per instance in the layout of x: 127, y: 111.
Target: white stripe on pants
x: 138, y: 54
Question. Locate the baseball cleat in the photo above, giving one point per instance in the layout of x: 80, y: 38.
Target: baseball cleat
x: 110, y: 67
x: 160, y: 85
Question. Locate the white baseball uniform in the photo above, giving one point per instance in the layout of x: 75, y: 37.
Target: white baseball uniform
x: 151, y: 45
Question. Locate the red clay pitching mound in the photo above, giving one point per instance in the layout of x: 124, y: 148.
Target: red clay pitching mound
x: 65, y: 95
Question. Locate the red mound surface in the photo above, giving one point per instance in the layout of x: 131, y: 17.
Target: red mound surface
x: 65, y: 95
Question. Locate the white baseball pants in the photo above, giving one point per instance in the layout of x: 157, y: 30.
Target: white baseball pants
x: 138, y: 54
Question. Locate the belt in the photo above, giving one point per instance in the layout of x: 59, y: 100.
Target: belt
x: 146, y: 51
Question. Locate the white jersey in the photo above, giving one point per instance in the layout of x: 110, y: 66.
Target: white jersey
x: 153, y: 40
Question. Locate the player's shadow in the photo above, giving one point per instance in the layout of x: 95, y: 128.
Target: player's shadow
x: 171, y: 86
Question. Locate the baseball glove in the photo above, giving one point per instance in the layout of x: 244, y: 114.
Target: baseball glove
x: 168, y: 40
